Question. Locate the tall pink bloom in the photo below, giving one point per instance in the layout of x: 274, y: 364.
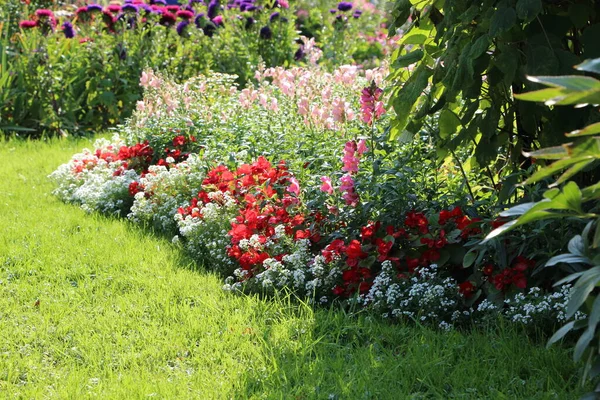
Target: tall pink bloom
x: 349, y: 159
x: 371, y: 104
x: 350, y: 196
x: 362, y: 147
x: 326, y: 186
x: 294, y: 186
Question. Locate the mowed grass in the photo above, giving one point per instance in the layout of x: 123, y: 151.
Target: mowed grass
x: 94, y: 307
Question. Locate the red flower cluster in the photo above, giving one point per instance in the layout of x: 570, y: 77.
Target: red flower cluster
x: 179, y: 151
x: 514, y: 275
x: 138, y: 157
x: 259, y: 189
x: 462, y: 222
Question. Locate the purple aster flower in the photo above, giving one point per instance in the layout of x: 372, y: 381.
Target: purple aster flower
x: 161, y: 2
x: 68, y: 30
x: 344, y: 6
x: 274, y: 16
x: 265, y: 33
x: 131, y: 8
x: 146, y: 8
x: 332, y: 10
x: 213, y: 9
x: 94, y: 8
x: 357, y: 13
x: 181, y: 27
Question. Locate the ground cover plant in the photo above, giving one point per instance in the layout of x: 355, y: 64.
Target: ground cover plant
x: 69, y: 70
x: 92, y: 306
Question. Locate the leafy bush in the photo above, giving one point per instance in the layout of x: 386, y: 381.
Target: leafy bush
x: 77, y: 70
x: 567, y: 200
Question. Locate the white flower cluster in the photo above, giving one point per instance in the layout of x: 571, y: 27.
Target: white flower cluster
x: 165, y: 190
x: 425, y: 297
x: 536, y: 308
x: 206, y: 238
x: 95, y: 183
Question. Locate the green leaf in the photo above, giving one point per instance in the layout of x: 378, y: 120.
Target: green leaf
x: 559, y: 334
x: 591, y: 192
x: 470, y: 258
x: 502, y: 21
x: 527, y: 10
x: 548, y: 153
x: 518, y: 210
x: 571, y: 172
x: 581, y: 290
x: 448, y: 123
x: 480, y: 46
x: 524, y: 219
x: 406, y: 97
x: 568, y: 278
x: 566, y: 259
x: 575, y: 245
x: 588, y: 130
x: 553, y: 169
x: 408, y: 59
x: 571, y: 82
x: 596, y: 241
x: 592, y: 65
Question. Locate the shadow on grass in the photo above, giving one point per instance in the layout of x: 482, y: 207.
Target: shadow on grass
x: 305, y: 352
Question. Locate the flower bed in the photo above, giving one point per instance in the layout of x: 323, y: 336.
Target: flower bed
x: 293, y: 185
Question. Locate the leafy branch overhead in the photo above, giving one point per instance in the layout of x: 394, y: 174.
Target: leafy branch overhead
x: 462, y: 63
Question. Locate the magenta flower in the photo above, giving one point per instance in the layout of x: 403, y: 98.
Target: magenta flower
x: 349, y: 159
x: 27, y: 24
x: 362, y: 147
x: 44, y: 13
x: 326, y: 186
x: 350, y: 196
x: 371, y: 104
x: 218, y: 20
x: 185, y: 14
x: 294, y: 187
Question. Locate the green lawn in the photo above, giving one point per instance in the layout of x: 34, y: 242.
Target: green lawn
x: 94, y: 307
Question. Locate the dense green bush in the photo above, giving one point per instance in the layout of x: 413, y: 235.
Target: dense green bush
x: 52, y: 84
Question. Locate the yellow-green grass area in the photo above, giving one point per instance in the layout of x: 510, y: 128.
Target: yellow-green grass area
x: 94, y: 307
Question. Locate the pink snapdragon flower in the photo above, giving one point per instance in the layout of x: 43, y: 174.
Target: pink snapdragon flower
x: 294, y: 186
x: 371, y: 104
x: 362, y: 148
x: 349, y: 159
x: 350, y: 196
x: 326, y: 186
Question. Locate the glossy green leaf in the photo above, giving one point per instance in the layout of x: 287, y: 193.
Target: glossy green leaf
x: 596, y: 240
x: 583, y: 343
x: 559, y: 334
x: 408, y: 59
x: 518, y: 210
x: 571, y: 172
x: 582, y: 288
x: 448, y: 123
x: 592, y: 65
x: 548, y: 153
x: 527, y: 10
x: 566, y: 259
x: 470, y: 258
x: 502, y: 21
x: 588, y: 130
x: 553, y: 169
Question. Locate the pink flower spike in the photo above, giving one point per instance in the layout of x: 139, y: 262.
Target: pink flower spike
x: 326, y: 186
x: 362, y: 147
x: 294, y: 187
